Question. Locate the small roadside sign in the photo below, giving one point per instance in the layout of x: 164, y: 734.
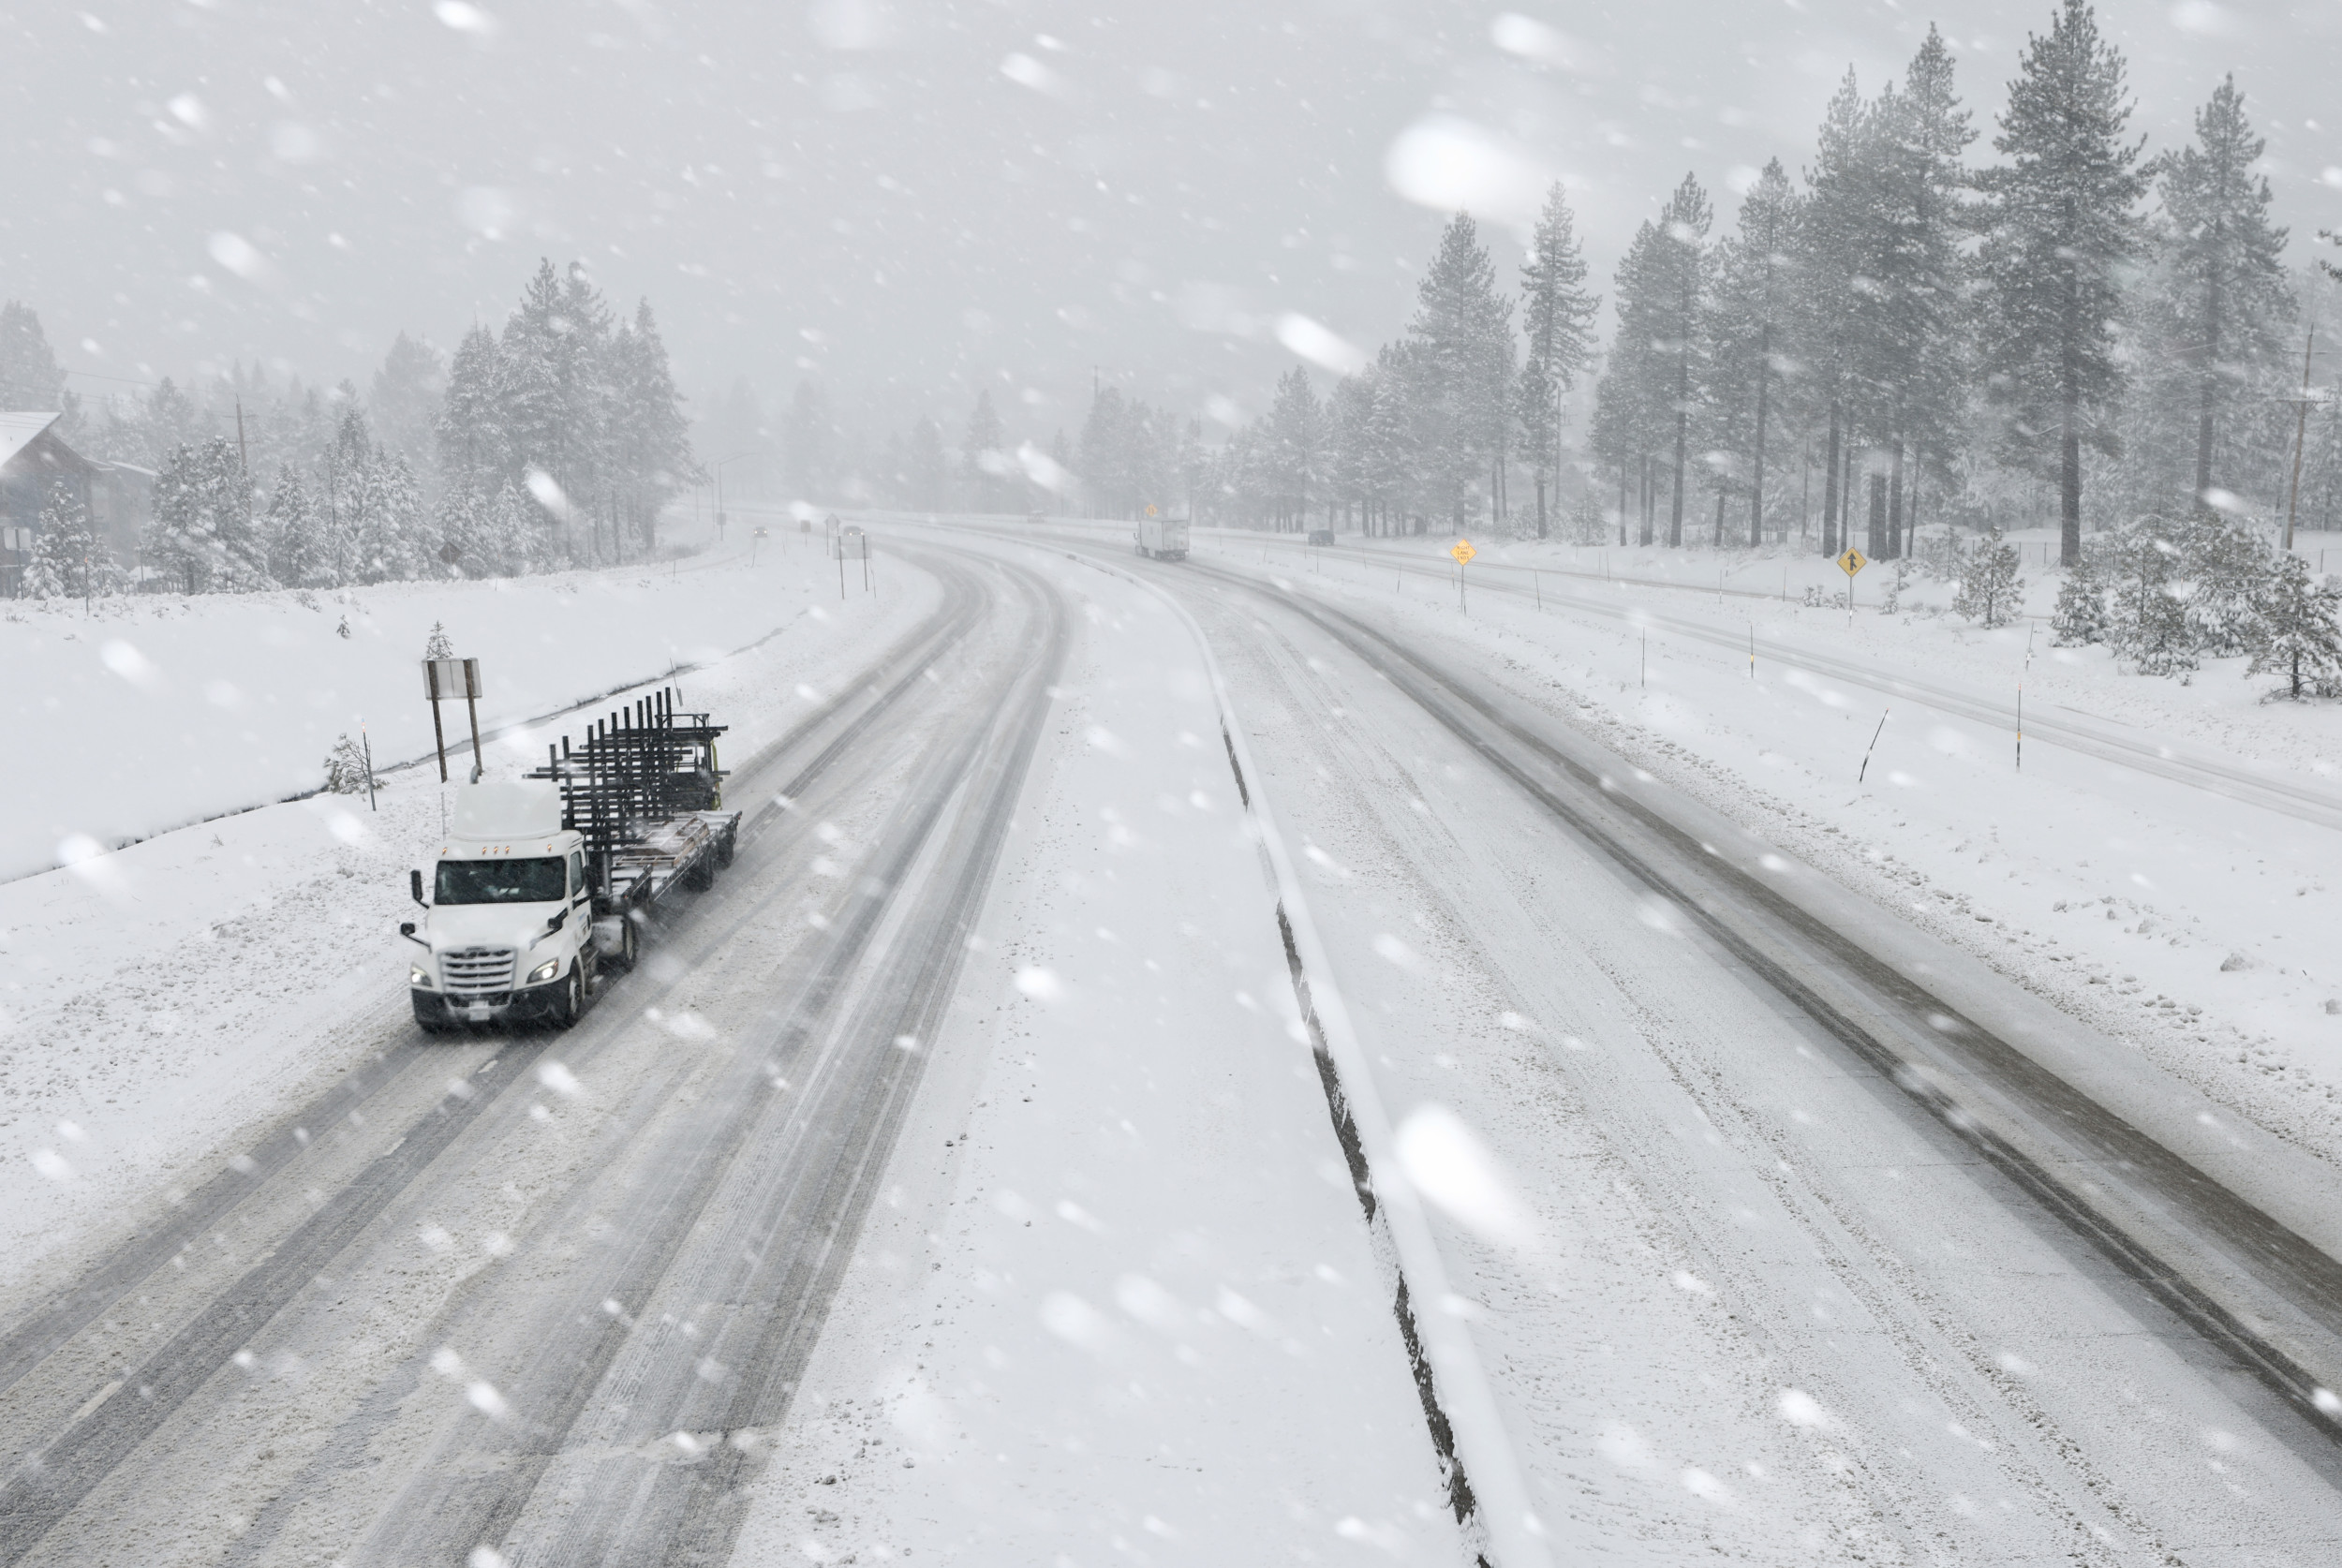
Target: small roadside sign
x: 1150, y: 509
x: 1463, y: 551
x: 1852, y: 561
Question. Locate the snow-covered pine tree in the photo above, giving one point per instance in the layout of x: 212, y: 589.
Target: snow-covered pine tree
x: 2302, y: 636
x: 474, y: 451
x: 408, y: 393
x: 650, y: 435
x: 1557, y: 320
x: 2231, y: 569
x: 1991, y: 592
x: 1832, y: 238
x: 30, y: 376
x: 2224, y: 268
x: 510, y: 542
x: 298, y: 552
x: 1745, y: 338
x: 346, y: 771
x: 56, y: 570
x: 204, y: 539
x: 2146, y: 621
x: 438, y: 645
x: 1297, y: 442
x: 1461, y: 367
x: 2062, y: 228
x: 984, y: 435
x: 2080, y: 617
x: 1912, y: 358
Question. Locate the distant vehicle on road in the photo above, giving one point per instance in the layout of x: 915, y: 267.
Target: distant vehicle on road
x: 1321, y: 535
x: 1164, y: 539
x: 1036, y: 517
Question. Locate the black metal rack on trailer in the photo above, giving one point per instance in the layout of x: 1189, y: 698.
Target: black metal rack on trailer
x: 646, y: 792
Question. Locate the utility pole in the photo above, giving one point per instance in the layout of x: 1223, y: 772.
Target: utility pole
x: 2301, y: 432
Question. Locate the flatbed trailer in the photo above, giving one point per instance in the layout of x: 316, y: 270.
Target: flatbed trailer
x: 545, y: 889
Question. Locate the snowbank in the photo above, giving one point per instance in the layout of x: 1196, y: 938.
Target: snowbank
x: 156, y: 711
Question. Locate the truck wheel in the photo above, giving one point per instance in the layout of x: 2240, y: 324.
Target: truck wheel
x: 627, y: 945
x: 701, y: 875
x: 571, y: 1007
x: 725, y: 848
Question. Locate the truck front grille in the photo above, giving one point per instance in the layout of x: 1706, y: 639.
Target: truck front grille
x: 476, y: 972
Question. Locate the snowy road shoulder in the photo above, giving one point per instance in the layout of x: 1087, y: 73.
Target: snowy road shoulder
x: 1118, y: 1296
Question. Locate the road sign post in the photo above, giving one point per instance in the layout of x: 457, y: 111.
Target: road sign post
x: 1850, y: 563
x: 446, y: 678
x: 1463, y: 552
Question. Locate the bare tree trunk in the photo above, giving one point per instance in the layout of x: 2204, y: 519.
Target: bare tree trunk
x: 2207, y: 390
x: 1829, y: 497
x: 1894, y: 507
x: 1878, y: 517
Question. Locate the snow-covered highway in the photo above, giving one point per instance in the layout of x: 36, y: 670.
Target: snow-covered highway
x: 954, y: 1181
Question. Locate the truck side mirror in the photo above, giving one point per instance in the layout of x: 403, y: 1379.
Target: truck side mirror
x: 414, y: 886
x: 406, y: 927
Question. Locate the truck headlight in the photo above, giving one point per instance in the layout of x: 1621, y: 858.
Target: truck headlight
x: 415, y: 976
x: 544, y: 972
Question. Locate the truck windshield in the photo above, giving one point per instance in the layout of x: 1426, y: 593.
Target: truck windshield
x: 501, y: 881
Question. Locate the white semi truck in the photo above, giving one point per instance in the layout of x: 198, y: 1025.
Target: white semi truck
x: 545, y: 886
x: 1163, y: 539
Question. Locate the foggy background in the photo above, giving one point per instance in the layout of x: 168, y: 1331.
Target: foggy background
x: 906, y: 200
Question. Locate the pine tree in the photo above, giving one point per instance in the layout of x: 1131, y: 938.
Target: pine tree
x: 2226, y: 266
x: 1297, y: 442
x: 438, y: 645
x: 1912, y: 360
x: 204, y: 539
x: 1461, y: 371
x: 2062, y: 228
x: 1990, y: 590
x: 1829, y: 306
x: 982, y: 450
x: 66, y: 553
x: 408, y: 393
x: 2303, y: 636
x: 1747, y: 332
x: 2232, y: 570
x: 809, y: 443
x: 2146, y: 622
x: 30, y: 376
x: 1557, y: 320
x: 474, y: 451
x: 2080, y: 617
x: 927, y: 468
x: 651, y: 437
x: 299, y: 553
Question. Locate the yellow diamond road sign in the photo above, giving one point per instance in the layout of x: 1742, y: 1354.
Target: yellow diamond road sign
x: 1463, y: 551
x: 1852, y: 562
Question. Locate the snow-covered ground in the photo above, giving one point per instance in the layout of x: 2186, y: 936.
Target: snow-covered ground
x: 154, y: 711
x: 158, y: 1002
x: 2194, y: 925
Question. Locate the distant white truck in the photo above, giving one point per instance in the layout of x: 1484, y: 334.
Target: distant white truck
x: 1163, y: 539
x: 545, y: 884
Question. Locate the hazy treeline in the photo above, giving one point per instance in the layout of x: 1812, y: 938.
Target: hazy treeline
x: 554, y: 442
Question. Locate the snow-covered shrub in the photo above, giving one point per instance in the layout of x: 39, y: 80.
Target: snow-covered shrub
x: 2300, y: 633
x: 345, y: 768
x: 1991, y: 592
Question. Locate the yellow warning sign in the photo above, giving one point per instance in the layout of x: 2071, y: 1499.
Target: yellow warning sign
x: 1150, y: 509
x: 1852, y: 562
x: 1463, y: 551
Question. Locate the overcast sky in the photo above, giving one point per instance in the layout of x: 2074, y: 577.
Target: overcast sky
x: 905, y: 199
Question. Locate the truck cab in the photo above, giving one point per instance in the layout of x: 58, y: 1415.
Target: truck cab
x: 508, y: 928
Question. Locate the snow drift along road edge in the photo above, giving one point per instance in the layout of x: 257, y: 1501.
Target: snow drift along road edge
x: 1486, y: 1486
